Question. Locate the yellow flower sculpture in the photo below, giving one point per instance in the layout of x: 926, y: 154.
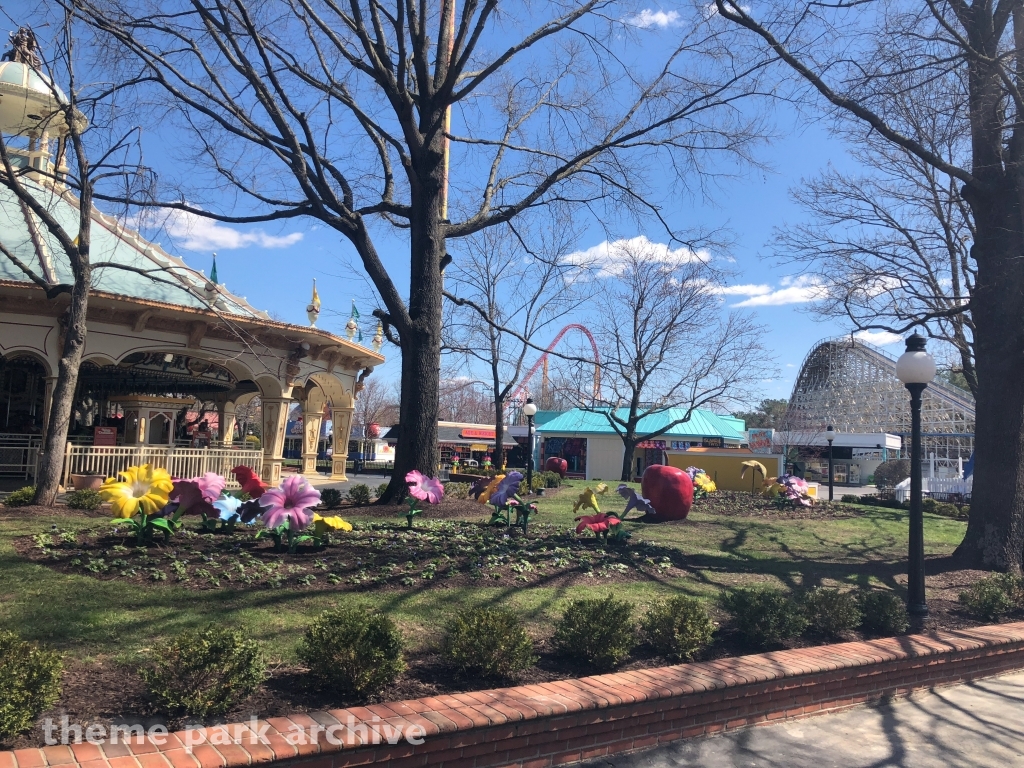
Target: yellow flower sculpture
x: 322, y: 525
x: 137, y: 489
x: 602, y: 489
x: 705, y: 483
x: 490, y: 490
x: 586, y: 499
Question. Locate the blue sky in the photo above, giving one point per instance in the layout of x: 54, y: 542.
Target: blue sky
x: 273, y: 265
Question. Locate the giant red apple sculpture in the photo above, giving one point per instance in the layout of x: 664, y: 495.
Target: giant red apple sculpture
x: 670, y: 491
x: 555, y: 464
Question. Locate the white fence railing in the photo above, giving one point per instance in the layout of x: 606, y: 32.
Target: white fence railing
x: 179, y: 462
x: 18, y: 455
x: 935, y: 486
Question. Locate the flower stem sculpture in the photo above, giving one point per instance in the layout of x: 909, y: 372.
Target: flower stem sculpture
x: 505, y: 499
x: 755, y: 467
x: 421, y: 488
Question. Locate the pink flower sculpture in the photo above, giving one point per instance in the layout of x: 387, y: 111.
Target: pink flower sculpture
x: 291, y: 502
x: 211, y: 485
x: 424, y: 488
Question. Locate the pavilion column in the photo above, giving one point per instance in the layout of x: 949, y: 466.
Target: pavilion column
x: 342, y: 428
x: 275, y: 420
x: 311, y: 423
x: 226, y: 423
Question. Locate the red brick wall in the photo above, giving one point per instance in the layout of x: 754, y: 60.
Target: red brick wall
x: 572, y: 720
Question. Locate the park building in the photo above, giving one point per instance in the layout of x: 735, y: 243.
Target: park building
x: 162, y: 338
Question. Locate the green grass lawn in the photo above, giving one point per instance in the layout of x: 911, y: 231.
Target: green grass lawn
x: 88, y: 617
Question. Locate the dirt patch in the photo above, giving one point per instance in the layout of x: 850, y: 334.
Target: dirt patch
x: 738, y: 504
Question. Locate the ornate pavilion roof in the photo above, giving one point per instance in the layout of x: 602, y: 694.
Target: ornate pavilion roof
x: 164, y: 278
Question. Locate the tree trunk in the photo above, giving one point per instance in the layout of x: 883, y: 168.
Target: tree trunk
x: 628, y: 449
x: 51, y: 458
x: 995, y: 529
x: 420, y: 336
x: 498, y: 457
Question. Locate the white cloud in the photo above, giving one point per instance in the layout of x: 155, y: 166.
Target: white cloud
x: 792, y: 290
x: 648, y: 18
x: 196, y: 233
x: 744, y: 290
x: 790, y: 365
x: 878, y: 338
x: 607, y: 259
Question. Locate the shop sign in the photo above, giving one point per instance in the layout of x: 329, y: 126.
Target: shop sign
x: 712, y: 442
x: 104, y: 436
x: 479, y: 447
x: 760, y: 440
x: 652, y: 444
x: 477, y: 434
x: 680, y: 445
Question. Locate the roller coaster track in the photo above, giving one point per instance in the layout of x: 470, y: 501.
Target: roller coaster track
x: 519, y: 395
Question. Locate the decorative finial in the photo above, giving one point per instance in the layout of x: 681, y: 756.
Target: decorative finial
x: 23, y: 48
x: 352, y: 326
x: 313, y: 308
x: 378, y: 338
x: 213, y: 271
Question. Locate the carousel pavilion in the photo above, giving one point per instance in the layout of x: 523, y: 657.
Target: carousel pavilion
x: 162, y: 338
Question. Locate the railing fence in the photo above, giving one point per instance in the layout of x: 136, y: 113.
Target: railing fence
x: 179, y: 462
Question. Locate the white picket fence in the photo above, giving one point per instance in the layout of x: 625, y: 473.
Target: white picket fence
x: 936, y: 486
x: 179, y: 462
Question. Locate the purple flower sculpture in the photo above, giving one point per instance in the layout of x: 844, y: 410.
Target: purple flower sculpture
x: 507, y: 488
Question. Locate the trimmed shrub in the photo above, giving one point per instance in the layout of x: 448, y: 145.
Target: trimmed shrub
x: 380, y: 490
x: 490, y: 642
x: 989, y: 598
x: 21, y: 497
x: 87, y: 499
x: 205, y: 672
x: 330, y: 498
x: 599, y: 632
x: 678, y: 628
x: 830, y: 611
x: 883, y: 613
x: 890, y: 473
x: 252, y: 443
x: 352, y: 651
x: 850, y: 498
x: 764, y: 615
x: 30, y: 683
x: 456, y: 490
x: 551, y: 479
x: 359, y: 494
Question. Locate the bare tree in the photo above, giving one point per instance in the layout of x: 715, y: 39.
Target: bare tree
x: 342, y: 112
x: 890, y: 247
x: 517, y: 279
x: 42, y: 183
x: 463, y: 399
x: 665, y: 346
x: 957, y: 66
x: 377, y: 404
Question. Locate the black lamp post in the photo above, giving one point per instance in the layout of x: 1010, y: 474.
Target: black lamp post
x: 915, y: 369
x: 530, y: 410
x: 830, y: 435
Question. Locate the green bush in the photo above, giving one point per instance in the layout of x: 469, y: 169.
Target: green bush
x: 764, y: 615
x: 205, y: 672
x: 380, y: 490
x: 830, y: 611
x: 352, y: 651
x: 678, y: 628
x: 599, y: 632
x: 359, y: 494
x: 30, y: 683
x: 490, y: 642
x: 883, y: 613
x: 330, y: 498
x: 87, y: 499
x: 252, y: 443
x: 989, y: 598
x: 456, y: 490
x: 21, y: 497
x: 850, y: 498
x: 551, y: 479
x: 889, y: 473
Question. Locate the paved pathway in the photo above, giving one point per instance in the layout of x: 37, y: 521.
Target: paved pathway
x: 977, y: 725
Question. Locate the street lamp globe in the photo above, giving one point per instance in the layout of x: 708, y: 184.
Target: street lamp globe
x: 830, y: 433
x: 915, y: 366
x: 530, y: 409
